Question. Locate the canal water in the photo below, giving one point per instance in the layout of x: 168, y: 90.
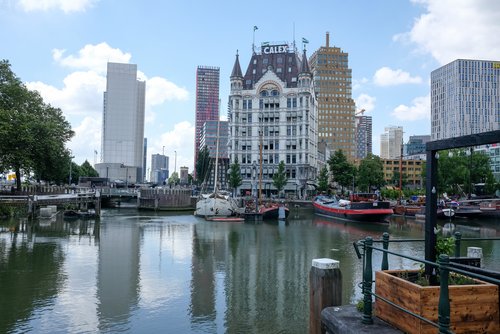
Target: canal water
x: 146, y: 272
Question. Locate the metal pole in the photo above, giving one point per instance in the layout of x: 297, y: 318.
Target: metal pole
x: 367, y: 283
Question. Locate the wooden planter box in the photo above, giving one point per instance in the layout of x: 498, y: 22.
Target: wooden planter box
x: 473, y: 308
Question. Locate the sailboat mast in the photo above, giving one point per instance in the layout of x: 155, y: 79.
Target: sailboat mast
x: 260, y: 158
x: 216, y: 156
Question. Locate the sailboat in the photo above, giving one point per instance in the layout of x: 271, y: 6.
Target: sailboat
x: 218, y: 203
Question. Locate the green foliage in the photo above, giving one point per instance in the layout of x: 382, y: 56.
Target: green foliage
x: 323, y: 180
x: 444, y: 245
x: 173, y: 179
x: 395, y: 179
x: 235, y: 180
x: 32, y: 133
x: 202, y: 165
x: 458, y: 171
x: 279, y: 178
x: 370, y: 173
x: 341, y: 169
x: 86, y: 169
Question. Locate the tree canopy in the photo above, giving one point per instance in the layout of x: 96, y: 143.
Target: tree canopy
x: 323, y: 180
x: 279, y: 178
x: 341, y: 169
x: 202, y: 165
x: 370, y: 173
x: 33, y: 134
x: 235, y: 180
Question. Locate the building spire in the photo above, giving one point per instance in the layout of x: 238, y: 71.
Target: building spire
x: 236, y: 73
x: 304, y: 68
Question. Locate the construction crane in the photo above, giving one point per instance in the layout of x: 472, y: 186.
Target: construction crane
x: 359, y: 112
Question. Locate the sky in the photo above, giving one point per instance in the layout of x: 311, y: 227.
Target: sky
x: 61, y: 47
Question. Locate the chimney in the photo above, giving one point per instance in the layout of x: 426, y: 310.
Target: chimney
x: 327, y: 39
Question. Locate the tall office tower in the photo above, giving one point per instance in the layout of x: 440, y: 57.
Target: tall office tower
x: 159, y: 168
x: 416, y: 145
x: 391, y: 142
x: 336, y: 108
x: 465, y: 98
x: 144, y: 159
x: 211, y: 137
x: 363, y: 136
x: 122, y: 143
x: 272, y: 118
x: 207, y: 101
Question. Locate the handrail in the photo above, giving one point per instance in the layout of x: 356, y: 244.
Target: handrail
x: 443, y: 265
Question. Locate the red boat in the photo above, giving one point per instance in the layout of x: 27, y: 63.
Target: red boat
x: 272, y: 211
x: 359, y: 208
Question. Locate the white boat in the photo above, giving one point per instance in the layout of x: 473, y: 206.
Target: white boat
x: 218, y: 203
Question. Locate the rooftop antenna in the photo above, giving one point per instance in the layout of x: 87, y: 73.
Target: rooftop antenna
x: 294, y: 48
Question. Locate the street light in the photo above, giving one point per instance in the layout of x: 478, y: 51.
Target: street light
x: 70, y: 165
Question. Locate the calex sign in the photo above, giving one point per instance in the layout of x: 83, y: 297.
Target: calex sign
x: 267, y: 49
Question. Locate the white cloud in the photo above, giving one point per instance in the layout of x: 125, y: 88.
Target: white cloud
x: 386, y: 76
x: 91, y: 57
x: 365, y: 101
x: 420, y: 109
x: 453, y: 29
x: 66, y: 6
x: 357, y: 84
x: 159, y: 90
x: 80, y: 95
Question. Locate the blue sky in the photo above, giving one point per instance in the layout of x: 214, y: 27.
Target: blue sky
x: 60, y: 48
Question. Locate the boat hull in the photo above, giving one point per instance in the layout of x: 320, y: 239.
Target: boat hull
x: 215, y: 207
x: 273, y: 213
x: 361, y: 212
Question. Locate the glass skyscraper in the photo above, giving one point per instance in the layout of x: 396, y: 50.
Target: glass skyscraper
x: 465, y: 98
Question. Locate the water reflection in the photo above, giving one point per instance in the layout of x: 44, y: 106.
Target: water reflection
x: 155, y: 272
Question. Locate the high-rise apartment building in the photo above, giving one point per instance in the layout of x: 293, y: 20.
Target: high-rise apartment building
x: 272, y: 118
x: 363, y: 136
x: 416, y: 145
x: 391, y: 142
x: 207, y: 101
x: 336, y: 108
x: 159, y: 168
x: 122, y: 143
x: 465, y: 98
x: 215, y: 138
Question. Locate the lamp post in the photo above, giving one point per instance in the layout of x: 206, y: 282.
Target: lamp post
x: 254, y: 184
x: 175, y: 164
x: 70, y: 165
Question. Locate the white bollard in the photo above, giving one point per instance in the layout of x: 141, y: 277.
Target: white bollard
x: 45, y: 212
x: 475, y: 252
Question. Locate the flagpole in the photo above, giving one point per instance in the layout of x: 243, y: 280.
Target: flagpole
x: 253, y: 39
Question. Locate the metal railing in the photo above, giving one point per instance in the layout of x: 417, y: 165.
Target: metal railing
x: 442, y: 265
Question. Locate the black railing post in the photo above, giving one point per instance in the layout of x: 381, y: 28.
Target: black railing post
x: 385, y: 245
x: 444, y: 299
x: 367, y: 282
x: 458, y: 237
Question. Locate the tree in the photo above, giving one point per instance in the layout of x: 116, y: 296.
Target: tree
x: 341, y: 169
x: 323, y: 180
x: 395, y: 179
x: 202, y: 165
x: 173, y: 179
x: 370, y: 173
x: 88, y: 170
x: 279, y: 178
x: 235, y: 180
x: 32, y: 133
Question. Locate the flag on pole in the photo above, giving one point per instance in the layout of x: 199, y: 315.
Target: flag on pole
x: 255, y: 28
x: 305, y: 41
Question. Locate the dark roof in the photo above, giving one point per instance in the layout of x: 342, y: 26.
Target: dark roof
x: 279, y: 63
x: 236, y: 73
x: 304, y: 68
